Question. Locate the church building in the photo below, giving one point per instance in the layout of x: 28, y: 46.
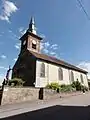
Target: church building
x: 38, y: 69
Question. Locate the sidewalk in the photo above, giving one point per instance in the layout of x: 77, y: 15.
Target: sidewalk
x: 18, y: 108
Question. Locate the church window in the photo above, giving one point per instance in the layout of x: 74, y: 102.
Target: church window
x: 24, y: 42
x: 72, y: 76
x: 34, y: 44
x: 42, y: 72
x: 81, y: 76
x: 60, y: 74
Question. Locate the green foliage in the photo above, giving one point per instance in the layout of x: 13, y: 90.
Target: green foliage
x: 60, y: 88
x: 63, y: 86
x: 53, y: 86
x: 0, y: 86
x: 77, y: 85
x: 73, y: 84
x: 84, y: 88
x: 66, y: 88
x: 16, y: 82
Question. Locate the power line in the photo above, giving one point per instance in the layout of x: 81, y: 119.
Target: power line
x: 82, y: 6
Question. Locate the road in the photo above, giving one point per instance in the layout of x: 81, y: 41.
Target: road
x: 72, y: 108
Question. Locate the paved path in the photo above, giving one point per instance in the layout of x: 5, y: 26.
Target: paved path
x: 72, y: 108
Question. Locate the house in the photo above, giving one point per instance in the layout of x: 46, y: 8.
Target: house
x: 38, y: 69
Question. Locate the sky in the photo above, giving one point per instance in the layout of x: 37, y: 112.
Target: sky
x: 62, y: 23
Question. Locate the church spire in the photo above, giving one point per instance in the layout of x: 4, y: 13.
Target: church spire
x: 32, y: 27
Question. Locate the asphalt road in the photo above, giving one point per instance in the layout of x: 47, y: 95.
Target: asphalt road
x: 73, y: 108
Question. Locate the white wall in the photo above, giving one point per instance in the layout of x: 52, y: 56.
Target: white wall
x: 41, y: 82
x: 77, y: 76
x: 51, y: 75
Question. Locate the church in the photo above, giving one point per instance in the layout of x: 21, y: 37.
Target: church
x: 38, y: 69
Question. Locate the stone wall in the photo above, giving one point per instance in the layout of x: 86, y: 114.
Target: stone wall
x: 16, y: 95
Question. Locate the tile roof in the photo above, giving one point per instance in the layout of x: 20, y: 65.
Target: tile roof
x: 57, y: 61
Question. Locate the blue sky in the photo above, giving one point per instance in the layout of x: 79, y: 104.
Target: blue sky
x: 62, y: 23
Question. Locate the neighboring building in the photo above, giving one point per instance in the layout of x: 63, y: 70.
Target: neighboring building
x: 38, y: 69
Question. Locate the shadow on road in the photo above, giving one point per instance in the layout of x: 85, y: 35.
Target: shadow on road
x: 55, y: 113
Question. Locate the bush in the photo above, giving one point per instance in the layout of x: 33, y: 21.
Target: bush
x: 16, y: 82
x: 77, y: 85
x: 73, y: 84
x: 63, y: 86
x: 53, y: 86
x: 66, y: 88
x: 60, y: 88
x: 84, y: 88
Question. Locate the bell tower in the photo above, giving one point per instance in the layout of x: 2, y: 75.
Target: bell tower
x: 30, y: 40
x: 25, y: 66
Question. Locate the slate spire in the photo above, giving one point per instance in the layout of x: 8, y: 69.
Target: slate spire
x: 32, y: 27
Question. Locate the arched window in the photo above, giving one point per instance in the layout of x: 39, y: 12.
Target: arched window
x: 72, y: 76
x: 42, y: 71
x: 81, y: 76
x: 60, y: 74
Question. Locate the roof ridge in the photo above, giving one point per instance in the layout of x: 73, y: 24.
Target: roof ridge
x: 56, y: 61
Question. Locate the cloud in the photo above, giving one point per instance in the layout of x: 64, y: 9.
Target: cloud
x: 2, y: 73
x: 7, y: 8
x: 15, y: 59
x: 52, y: 53
x: 42, y: 36
x: 22, y: 31
x: 42, y: 46
x: 2, y: 67
x: 3, y: 57
x: 12, y: 35
x: 45, y: 51
x: 1, y: 34
x: 49, y: 48
x: 1, y: 78
x: 10, y: 31
x: 45, y: 46
x: 86, y: 66
x: 17, y: 46
x: 54, y: 46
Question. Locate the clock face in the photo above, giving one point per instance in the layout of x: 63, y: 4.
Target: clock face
x: 34, y: 42
x: 24, y: 42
